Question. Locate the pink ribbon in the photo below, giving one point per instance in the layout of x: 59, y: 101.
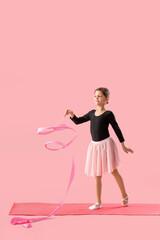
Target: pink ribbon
x: 27, y: 222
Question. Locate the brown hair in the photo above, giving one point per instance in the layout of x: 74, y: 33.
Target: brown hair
x: 105, y: 92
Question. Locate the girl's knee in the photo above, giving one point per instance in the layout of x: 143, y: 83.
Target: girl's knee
x: 98, y: 177
x: 115, y: 171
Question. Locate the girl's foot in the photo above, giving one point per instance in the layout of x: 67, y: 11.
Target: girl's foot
x: 125, y: 201
x: 95, y: 206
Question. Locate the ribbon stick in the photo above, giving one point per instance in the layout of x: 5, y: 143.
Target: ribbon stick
x: 27, y: 222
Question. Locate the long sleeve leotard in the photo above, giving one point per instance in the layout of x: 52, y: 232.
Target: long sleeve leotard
x: 99, y: 124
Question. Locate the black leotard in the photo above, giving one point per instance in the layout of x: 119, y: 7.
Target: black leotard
x: 99, y: 124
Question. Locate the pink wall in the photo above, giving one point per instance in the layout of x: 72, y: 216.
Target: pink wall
x: 53, y: 54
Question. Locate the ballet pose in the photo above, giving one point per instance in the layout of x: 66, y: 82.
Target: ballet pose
x: 102, y: 154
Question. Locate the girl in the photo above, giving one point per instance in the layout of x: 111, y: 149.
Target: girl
x: 102, y: 153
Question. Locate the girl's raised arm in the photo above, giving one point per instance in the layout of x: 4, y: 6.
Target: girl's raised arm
x: 78, y: 120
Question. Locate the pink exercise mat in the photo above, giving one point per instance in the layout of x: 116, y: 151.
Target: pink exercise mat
x: 44, y: 209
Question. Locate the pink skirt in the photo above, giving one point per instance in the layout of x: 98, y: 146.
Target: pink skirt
x: 102, y: 157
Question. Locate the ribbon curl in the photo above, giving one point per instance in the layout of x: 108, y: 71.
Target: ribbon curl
x: 27, y: 222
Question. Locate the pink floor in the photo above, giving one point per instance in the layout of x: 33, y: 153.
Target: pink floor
x: 44, y: 209
x: 83, y: 227
x: 126, y: 227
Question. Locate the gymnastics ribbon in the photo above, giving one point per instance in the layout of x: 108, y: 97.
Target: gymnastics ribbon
x: 27, y: 222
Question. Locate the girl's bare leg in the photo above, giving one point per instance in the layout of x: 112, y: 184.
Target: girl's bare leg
x: 98, y: 184
x: 120, y: 182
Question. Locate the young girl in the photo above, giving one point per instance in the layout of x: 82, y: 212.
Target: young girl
x: 102, y: 153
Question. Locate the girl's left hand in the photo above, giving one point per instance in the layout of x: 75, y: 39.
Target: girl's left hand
x: 126, y: 149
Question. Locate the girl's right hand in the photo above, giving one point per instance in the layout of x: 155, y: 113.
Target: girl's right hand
x: 68, y: 111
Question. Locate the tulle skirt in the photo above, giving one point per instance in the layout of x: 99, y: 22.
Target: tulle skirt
x: 102, y: 157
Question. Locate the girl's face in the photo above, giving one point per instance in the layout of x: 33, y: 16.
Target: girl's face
x: 99, y: 98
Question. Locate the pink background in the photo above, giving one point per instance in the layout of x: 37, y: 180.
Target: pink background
x: 53, y: 55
